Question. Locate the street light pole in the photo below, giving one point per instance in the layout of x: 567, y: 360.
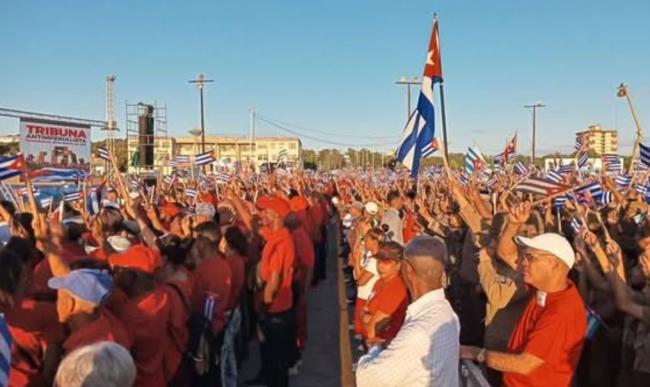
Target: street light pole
x: 200, y: 82
x: 534, y: 107
x: 623, y: 91
x: 408, y: 83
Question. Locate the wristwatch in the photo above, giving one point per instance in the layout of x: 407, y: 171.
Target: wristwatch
x: 481, y: 356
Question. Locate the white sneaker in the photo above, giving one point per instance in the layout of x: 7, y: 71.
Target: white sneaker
x: 294, y: 371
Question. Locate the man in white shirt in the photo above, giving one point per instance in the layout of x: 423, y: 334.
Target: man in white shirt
x: 391, y: 222
x: 423, y: 352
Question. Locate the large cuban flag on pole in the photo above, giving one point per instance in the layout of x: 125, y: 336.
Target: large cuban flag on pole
x: 418, y: 136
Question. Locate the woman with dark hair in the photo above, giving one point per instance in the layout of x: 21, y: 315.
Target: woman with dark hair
x: 21, y: 225
x: 10, y: 286
x: 33, y: 323
x: 234, y: 247
x: 178, y: 285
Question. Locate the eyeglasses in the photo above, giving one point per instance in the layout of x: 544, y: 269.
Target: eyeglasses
x: 534, y: 256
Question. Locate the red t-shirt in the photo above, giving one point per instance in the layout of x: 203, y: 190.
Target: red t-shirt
x: 389, y: 297
x: 179, y: 291
x: 106, y: 328
x: 237, y: 265
x: 410, y: 227
x: 146, y: 318
x: 555, y: 333
x: 304, y: 254
x: 212, y: 277
x: 279, y: 255
x: 34, y: 325
x: 316, y: 217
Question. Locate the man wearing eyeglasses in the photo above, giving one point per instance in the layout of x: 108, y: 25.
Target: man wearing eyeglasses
x: 545, y: 346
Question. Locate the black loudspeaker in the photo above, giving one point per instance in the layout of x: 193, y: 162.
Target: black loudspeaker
x: 146, y: 138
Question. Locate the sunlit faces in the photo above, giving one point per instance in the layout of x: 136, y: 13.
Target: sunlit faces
x: 538, y: 266
x: 388, y: 268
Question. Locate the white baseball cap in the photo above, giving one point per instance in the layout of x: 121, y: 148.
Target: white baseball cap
x: 372, y: 208
x: 551, y: 243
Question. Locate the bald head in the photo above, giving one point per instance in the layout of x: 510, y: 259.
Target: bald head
x: 427, y: 256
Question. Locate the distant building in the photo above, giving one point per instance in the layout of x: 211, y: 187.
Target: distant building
x: 234, y: 149
x: 599, y: 140
x: 264, y: 150
x: 594, y: 163
x: 10, y: 139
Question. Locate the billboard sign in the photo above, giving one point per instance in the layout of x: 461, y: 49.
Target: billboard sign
x: 50, y: 144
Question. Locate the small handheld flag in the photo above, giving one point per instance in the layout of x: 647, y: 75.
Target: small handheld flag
x: 520, y: 168
x: 104, y: 154
x: 12, y: 166
x: 644, y: 152
x: 204, y: 158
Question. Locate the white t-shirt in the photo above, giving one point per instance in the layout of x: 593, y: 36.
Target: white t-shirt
x: 369, y: 264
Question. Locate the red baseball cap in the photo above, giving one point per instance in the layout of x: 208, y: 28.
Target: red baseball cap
x: 138, y: 257
x: 275, y: 204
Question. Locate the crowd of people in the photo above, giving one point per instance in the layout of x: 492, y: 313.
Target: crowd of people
x: 165, y: 282
x: 538, y: 289
x: 161, y: 284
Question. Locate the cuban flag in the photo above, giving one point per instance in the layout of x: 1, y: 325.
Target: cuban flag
x: 72, y: 196
x: 606, y: 198
x: 644, y: 151
x: 57, y: 174
x: 520, y: 168
x: 554, y: 176
x: 222, y: 177
x: 204, y: 158
x: 473, y: 160
x: 283, y: 155
x: 191, y: 193
x: 560, y: 201
x: 181, y: 159
x: 419, y: 132
x: 104, y: 154
x: 576, y: 225
x: 47, y: 202
x: 594, y: 189
x: 12, y: 166
x: 583, y: 159
x: 623, y: 181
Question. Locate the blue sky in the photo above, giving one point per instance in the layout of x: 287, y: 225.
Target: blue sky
x: 330, y: 66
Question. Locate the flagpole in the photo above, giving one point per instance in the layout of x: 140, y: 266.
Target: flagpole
x: 624, y: 92
x: 444, y: 116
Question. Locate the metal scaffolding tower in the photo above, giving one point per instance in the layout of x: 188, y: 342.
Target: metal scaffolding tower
x: 135, y: 136
x: 111, y: 124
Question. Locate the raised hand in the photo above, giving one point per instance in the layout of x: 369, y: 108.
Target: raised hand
x: 519, y: 213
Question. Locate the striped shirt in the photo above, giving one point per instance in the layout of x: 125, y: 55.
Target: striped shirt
x: 5, y: 352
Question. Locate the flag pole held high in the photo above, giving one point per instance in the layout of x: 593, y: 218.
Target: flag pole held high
x: 418, y: 135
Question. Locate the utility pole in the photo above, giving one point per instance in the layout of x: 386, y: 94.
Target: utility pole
x: 200, y: 82
x: 252, y: 135
x: 408, y: 83
x: 534, y: 107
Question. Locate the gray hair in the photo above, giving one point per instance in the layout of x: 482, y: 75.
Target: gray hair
x: 104, y: 364
x: 428, y: 257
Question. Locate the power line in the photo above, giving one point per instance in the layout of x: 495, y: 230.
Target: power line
x: 296, y: 133
x: 327, y: 133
